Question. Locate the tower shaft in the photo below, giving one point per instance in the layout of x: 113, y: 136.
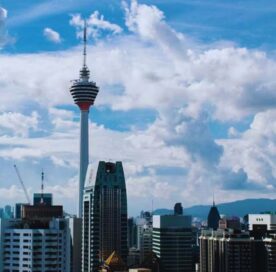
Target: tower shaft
x: 84, y: 93
x: 84, y: 155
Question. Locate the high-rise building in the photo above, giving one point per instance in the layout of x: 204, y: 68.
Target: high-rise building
x: 213, y: 217
x: 228, y: 251
x: 75, y: 239
x: 145, y: 241
x: 8, y: 213
x: 146, y: 215
x: 131, y: 233
x: 266, y: 221
x: 18, y: 210
x: 144, y: 234
x: 231, y: 222
x: 37, y: 242
x: 263, y: 228
x: 84, y: 93
x: 173, y: 242
x: 104, y: 215
x: 270, y: 249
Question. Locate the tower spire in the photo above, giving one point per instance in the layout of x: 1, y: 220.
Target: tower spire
x: 84, y: 42
x: 84, y: 73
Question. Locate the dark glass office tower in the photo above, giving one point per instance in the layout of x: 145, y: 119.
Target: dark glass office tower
x: 104, y: 215
x: 178, y: 209
x: 213, y: 217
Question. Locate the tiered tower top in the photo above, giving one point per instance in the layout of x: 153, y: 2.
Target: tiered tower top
x: 83, y: 91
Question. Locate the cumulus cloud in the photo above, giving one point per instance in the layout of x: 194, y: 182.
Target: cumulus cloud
x: 17, y: 123
x: 12, y: 193
x: 190, y: 86
x: 69, y: 190
x: 149, y: 23
x: 51, y: 35
x: 96, y: 24
x: 254, y: 151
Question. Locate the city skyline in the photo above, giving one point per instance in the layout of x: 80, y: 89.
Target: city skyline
x: 184, y: 103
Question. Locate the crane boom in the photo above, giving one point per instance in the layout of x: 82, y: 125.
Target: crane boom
x: 22, y: 184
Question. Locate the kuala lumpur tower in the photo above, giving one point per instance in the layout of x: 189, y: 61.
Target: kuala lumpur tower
x: 84, y: 93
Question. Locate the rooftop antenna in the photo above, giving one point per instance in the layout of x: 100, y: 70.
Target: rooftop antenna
x: 42, y: 188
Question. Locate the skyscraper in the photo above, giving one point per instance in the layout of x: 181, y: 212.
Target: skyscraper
x: 213, y: 217
x: 104, y: 215
x: 131, y: 233
x: 173, y: 242
x: 145, y: 241
x: 227, y: 251
x: 84, y: 93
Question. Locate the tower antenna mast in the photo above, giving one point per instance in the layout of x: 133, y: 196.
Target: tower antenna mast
x: 84, y: 43
x: 42, y: 188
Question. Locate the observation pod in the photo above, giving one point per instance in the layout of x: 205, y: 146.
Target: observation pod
x: 83, y: 91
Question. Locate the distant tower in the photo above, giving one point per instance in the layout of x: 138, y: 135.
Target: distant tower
x: 84, y: 93
x: 213, y: 217
x: 178, y: 210
x: 104, y: 227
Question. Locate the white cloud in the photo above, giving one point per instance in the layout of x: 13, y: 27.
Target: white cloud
x: 95, y: 25
x: 139, y: 187
x: 18, y: 123
x: 51, y: 35
x: 189, y: 85
x: 12, y: 193
x: 254, y: 150
x: 3, y: 14
x: 69, y: 190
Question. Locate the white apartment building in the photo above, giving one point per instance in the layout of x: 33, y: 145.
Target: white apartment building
x: 266, y: 220
x: 35, y: 246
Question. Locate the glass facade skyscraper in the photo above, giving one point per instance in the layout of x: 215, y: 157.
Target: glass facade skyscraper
x: 173, y: 241
x: 104, y: 215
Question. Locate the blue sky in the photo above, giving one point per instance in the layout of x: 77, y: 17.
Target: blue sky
x: 243, y: 22
x: 187, y: 91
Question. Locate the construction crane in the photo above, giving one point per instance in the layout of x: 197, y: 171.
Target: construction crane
x: 22, y: 184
